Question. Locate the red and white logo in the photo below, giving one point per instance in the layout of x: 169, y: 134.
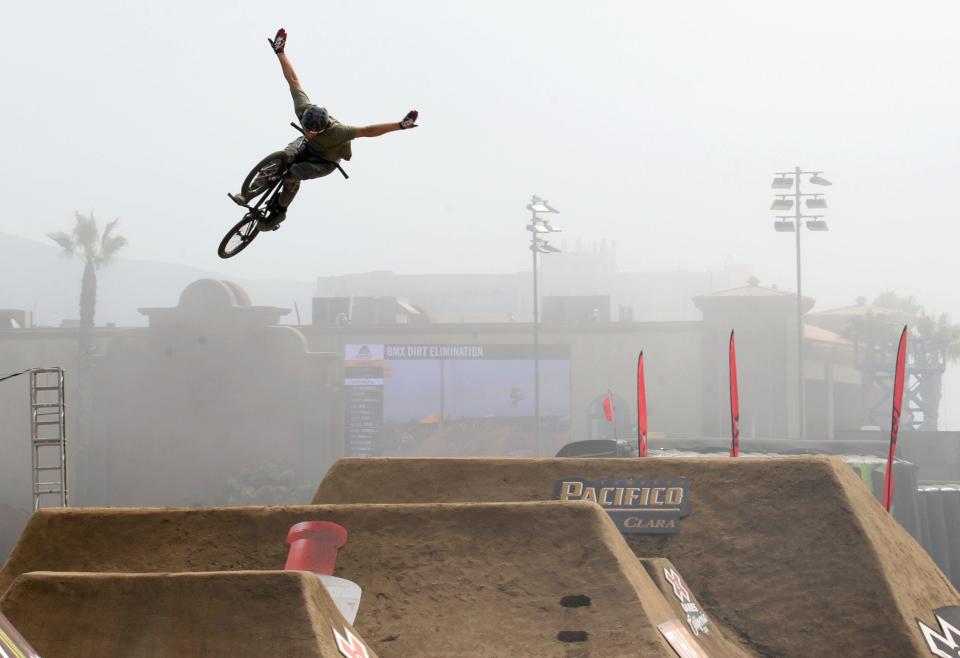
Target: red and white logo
x: 681, y: 640
x: 696, y: 618
x: 677, y: 583
x: 350, y: 646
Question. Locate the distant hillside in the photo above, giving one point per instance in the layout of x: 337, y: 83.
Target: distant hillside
x: 34, y: 276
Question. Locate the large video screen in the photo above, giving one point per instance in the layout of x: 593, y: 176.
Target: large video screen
x: 446, y: 400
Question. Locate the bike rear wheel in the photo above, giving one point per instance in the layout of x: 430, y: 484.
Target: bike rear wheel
x: 237, y: 238
x: 266, y: 172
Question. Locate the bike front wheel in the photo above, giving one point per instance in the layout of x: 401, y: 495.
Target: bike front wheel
x: 237, y: 238
x: 266, y: 172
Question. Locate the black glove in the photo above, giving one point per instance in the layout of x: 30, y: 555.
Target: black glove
x: 279, y: 41
x: 409, y: 120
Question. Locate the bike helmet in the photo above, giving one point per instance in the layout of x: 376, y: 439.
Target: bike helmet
x: 314, y: 118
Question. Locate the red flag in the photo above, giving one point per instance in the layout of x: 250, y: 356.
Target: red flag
x: 734, y: 401
x: 898, y: 377
x: 641, y: 409
x: 608, y: 410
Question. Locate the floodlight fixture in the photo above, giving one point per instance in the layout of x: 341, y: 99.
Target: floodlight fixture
x: 782, y: 182
x: 783, y: 226
x: 550, y: 227
x: 782, y: 204
x: 544, y: 247
x: 817, y: 225
x: 537, y: 227
x: 816, y: 202
x: 540, y: 205
x: 817, y: 179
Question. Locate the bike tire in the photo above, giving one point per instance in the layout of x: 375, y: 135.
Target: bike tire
x: 264, y: 174
x: 237, y: 238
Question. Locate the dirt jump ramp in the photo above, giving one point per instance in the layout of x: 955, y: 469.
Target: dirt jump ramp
x: 239, y: 614
x: 438, y: 580
x: 792, y: 554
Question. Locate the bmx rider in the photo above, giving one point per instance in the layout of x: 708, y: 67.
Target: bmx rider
x: 325, y: 140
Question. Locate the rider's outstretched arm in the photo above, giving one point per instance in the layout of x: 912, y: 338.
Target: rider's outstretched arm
x: 278, y: 43
x: 289, y: 73
x: 378, y: 129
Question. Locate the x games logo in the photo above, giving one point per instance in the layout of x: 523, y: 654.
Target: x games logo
x: 945, y: 641
x: 350, y: 646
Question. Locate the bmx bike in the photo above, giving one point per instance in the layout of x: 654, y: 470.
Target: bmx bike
x: 260, y: 190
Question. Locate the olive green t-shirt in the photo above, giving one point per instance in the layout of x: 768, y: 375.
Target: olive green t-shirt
x: 334, y: 142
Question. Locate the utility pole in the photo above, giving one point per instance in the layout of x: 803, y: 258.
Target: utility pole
x: 536, y: 351
x: 538, y: 245
x: 801, y: 385
x: 786, y: 180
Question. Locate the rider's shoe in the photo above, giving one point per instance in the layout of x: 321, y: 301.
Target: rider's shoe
x: 277, y: 214
x: 238, y: 198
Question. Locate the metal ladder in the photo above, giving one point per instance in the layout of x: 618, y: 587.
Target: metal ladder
x: 48, y: 437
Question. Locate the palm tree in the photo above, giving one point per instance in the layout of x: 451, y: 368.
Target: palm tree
x: 96, y: 249
x: 934, y: 339
x: 944, y: 339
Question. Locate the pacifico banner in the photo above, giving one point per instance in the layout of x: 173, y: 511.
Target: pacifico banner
x: 646, y: 505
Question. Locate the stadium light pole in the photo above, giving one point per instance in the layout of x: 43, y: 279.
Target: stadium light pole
x: 538, y: 227
x: 786, y: 224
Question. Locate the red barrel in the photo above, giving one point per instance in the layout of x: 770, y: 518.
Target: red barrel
x: 314, y: 545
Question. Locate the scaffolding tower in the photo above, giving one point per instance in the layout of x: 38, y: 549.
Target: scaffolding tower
x: 925, y: 360
x: 48, y: 438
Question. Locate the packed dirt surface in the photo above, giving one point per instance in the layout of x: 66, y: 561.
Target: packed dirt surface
x: 217, y: 615
x: 792, y: 554
x: 438, y: 580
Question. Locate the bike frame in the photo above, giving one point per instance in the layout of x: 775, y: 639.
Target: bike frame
x: 266, y: 198
x: 261, y: 210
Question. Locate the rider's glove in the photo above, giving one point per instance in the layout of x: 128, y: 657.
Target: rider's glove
x: 409, y: 121
x: 279, y: 41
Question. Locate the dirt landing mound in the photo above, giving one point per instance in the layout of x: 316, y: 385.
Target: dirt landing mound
x: 438, y: 580
x: 793, y: 553
x: 220, y: 615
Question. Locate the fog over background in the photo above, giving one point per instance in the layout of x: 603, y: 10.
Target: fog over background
x: 655, y: 125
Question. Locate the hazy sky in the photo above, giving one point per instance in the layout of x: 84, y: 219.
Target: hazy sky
x: 657, y: 125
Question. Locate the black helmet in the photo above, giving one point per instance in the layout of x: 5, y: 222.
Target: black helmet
x: 314, y: 118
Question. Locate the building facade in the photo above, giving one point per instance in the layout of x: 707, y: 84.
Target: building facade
x: 217, y: 402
